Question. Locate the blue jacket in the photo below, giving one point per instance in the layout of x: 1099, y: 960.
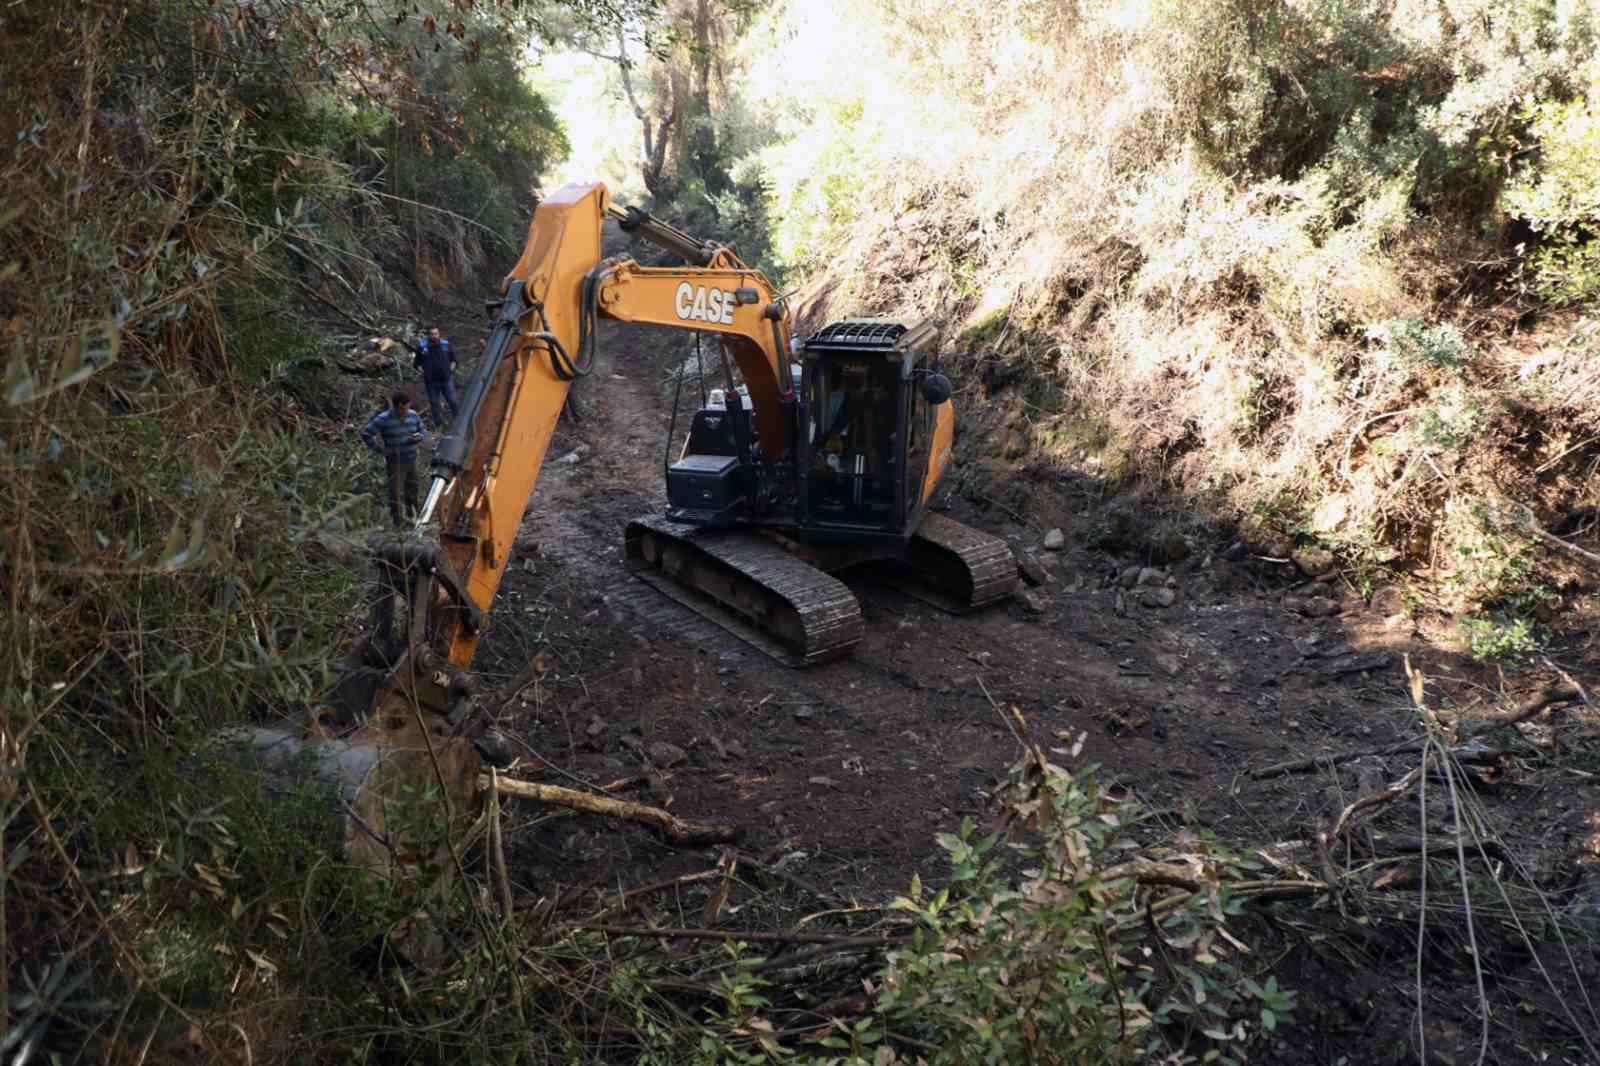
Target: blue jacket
x: 391, y: 437
x: 436, y: 359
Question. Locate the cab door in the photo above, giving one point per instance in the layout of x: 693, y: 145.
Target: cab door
x: 918, y: 439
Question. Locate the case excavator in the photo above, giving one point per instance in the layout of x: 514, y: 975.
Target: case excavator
x: 818, y: 455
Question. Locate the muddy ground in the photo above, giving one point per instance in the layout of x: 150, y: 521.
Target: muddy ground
x: 844, y: 773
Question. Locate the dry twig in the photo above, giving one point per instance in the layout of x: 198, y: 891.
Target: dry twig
x: 673, y: 830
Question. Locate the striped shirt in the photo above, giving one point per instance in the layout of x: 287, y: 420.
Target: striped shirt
x: 390, y: 434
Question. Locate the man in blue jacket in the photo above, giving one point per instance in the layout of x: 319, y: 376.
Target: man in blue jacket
x: 437, y: 361
x: 394, y: 433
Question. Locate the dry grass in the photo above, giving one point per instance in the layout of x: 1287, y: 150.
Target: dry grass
x: 1111, y: 208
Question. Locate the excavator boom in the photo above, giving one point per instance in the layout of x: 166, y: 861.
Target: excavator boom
x: 485, y: 469
x: 824, y: 456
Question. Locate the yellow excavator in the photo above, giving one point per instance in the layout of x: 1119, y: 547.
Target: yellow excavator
x: 818, y: 455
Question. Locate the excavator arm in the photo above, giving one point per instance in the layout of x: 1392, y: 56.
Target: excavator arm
x: 485, y: 469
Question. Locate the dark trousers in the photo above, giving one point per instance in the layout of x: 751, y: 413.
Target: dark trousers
x: 441, y: 394
x: 402, y: 488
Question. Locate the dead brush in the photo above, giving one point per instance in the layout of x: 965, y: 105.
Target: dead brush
x: 164, y: 527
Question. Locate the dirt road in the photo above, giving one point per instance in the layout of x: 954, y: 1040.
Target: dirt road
x: 843, y: 774
x: 858, y: 763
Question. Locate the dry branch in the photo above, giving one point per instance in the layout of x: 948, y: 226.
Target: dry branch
x: 1566, y: 691
x: 1373, y: 799
x: 748, y: 935
x: 672, y: 830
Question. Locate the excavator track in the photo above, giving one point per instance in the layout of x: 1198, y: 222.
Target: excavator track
x: 750, y: 586
x: 956, y: 568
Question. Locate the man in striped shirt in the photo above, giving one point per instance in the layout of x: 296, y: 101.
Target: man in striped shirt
x: 394, y: 433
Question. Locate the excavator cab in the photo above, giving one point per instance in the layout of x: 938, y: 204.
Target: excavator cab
x: 868, y: 427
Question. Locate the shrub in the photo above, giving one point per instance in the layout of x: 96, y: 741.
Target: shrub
x: 1448, y: 422
x: 1416, y: 344
x: 1067, y: 961
x: 1558, y: 193
x: 1499, y: 637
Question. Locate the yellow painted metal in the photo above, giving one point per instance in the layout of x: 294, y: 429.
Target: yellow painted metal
x: 661, y: 295
x: 520, y: 411
x: 944, y: 436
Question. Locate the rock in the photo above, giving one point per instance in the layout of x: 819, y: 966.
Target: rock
x: 1319, y: 607
x: 596, y: 727
x: 495, y: 748
x: 1031, y: 569
x: 735, y: 749
x: 1014, y: 445
x: 1158, y: 597
x: 1389, y: 600
x: 1314, y: 561
x: 1032, y: 603
x: 1168, y: 664
x: 666, y: 755
x: 1129, y: 577
x: 572, y: 457
x: 804, y: 714
x: 1149, y: 576
x: 1055, y: 540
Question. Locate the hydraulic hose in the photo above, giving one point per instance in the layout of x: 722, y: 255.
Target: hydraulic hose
x: 451, y: 456
x: 562, y: 364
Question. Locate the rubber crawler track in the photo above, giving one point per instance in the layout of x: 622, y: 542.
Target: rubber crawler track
x: 828, y: 616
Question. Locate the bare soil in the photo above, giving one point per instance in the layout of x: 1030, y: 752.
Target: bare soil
x: 844, y: 773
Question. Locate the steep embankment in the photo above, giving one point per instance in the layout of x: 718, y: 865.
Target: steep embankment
x: 1311, y: 277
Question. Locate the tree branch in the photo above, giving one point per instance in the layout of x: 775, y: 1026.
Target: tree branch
x: 672, y: 830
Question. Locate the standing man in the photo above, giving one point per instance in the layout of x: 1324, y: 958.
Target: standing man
x: 394, y: 433
x: 438, y: 362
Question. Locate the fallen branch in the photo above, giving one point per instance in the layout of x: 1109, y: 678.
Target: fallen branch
x: 499, y: 700
x: 672, y: 830
x: 748, y: 935
x: 1566, y: 546
x: 1327, y: 762
x: 626, y: 902
x: 1470, y: 752
x: 1373, y: 799
x: 1150, y: 872
x: 1566, y: 691
x: 782, y: 875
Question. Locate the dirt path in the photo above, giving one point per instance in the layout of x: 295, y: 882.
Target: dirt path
x: 844, y: 773
x: 858, y: 763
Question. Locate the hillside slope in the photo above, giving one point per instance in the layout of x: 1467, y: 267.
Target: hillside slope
x: 1318, y: 273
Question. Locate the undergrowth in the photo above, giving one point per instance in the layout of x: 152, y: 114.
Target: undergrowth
x: 1325, y: 262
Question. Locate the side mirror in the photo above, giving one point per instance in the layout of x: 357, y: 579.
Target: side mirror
x: 936, y: 389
